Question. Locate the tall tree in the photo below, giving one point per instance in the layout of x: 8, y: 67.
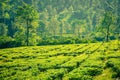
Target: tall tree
x: 28, y: 14
x: 4, y: 7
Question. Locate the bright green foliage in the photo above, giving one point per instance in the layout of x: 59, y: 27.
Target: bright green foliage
x: 28, y: 15
x: 91, y: 61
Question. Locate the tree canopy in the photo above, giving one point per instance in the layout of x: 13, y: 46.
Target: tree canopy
x: 33, y: 22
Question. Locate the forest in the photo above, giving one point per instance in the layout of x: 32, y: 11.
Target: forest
x: 40, y: 22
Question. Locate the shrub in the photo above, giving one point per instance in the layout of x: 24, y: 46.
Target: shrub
x: 115, y: 67
x: 64, y: 40
x: 68, y: 41
x: 85, y: 77
x: 109, y: 64
x: 7, y: 42
x: 94, y: 71
x: 77, y: 40
x: 117, y: 70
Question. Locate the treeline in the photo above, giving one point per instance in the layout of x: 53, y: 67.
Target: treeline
x: 40, y: 22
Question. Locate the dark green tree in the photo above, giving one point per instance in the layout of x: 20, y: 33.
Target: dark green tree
x: 28, y: 15
x: 4, y: 7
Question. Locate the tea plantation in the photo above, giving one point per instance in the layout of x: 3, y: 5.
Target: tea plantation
x: 92, y: 61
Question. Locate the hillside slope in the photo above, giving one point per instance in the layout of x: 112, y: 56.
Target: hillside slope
x: 94, y: 61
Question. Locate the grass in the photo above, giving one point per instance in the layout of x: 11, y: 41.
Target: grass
x: 93, y: 61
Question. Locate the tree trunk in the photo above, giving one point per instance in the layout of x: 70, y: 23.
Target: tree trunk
x: 3, y: 24
x: 74, y: 30
x: 61, y: 30
x: 27, y: 33
x: 79, y: 32
x: 54, y: 32
x: 107, y: 36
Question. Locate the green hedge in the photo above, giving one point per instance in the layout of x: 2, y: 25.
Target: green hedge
x: 7, y: 42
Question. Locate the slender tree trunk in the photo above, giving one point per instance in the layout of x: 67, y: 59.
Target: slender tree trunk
x: 107, y: 36
x: 79, y: 32
x: 54, y: 32
x: 74, y: 30
x: 61, y: 30
x: 3, y: 24
x: 45, y: 34
x: 27, y: 33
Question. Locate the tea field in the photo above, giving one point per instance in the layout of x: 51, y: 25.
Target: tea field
x: 91, y: 61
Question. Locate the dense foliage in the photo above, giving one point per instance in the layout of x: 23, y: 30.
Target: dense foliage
x: 34, y: 22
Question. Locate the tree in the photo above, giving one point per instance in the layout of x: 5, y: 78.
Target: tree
x: 110, y: 17
x: 54, y: 26
x: 28, y: 14
x: 107, y: 21
x: 43, y: 24
x: 4, y: 15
